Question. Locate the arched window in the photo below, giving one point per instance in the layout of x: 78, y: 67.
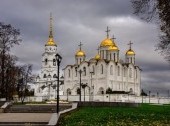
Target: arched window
x: 45, y: 76
x: 54, y: 76
x: 101, y: 68
x: 84, y: 68
x: 76, y: 71
x: 93, y: 70
x: 54, y: 62
x: 130, y: 72
x: 130, y: 90
x: 111, y: 70
x: 46, y: 60
x: 118, y: 70
x: 101, y: 90
x: 124, y: 72
x: 69, y: 91
x: 69, y: 73
x: 78, y: 91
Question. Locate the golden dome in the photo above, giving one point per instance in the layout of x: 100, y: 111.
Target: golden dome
x: 97, y: 57
x: 106, y: 42
x: 80, y: 53
x: 113, y: 48
x: 50, y: 42
x: 130, y: 52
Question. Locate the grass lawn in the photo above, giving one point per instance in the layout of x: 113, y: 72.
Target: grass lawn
x: 146, y: 115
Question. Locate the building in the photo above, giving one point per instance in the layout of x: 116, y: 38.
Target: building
x: 46, y: 81
x: 106, y: 71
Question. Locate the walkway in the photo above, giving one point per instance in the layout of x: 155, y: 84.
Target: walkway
x: 25, y: 117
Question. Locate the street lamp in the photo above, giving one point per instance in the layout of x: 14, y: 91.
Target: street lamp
x: 91, y: 89
x: 149, y: 95
x: 84, y: 86
x: 49, y: 76
x: 58, y: 58
x: 80, y: 71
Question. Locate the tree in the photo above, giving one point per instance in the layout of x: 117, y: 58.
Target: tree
x: 9, y: 36
x: 24, y: 77
x: 150, y: 10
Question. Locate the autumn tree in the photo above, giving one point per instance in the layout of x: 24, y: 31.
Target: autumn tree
x: 9, y: 36
x: 159, y: 11
x: 24, y: 77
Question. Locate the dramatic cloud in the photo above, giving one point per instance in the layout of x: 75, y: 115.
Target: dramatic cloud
x: 86, y: 21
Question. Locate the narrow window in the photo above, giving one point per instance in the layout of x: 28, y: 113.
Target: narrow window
x: 111, y: 70
x: 118, y: 70
x: 54, y: 62
x: 45, y: 76
x: 46, y: 61
x: 101, y: 69
x: 84, y: 68
x: 69, y: 73
x: 93, y: 70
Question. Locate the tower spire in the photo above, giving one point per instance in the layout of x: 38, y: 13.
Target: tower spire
x: 51, y: 27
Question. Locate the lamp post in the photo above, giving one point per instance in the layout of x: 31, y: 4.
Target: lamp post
x: 58, y: 58
x: 149, y: 95
x: 49, y: 77
x: 80, y: 72
x: 91, y: 89
x: 84, y: 86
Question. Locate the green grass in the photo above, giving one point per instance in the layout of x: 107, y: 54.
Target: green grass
x: 146, y: 115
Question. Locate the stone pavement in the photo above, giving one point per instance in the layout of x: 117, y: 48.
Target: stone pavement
x: 25, y: 117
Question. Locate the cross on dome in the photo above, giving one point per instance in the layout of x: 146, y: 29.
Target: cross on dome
x: 107, y: 32
x: 130, y: 44
x: 80, y: 45
x: 113, y: 38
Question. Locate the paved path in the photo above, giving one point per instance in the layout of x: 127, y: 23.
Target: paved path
x: 25, y: 117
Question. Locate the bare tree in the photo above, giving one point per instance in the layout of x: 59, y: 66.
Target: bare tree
x: 9, y: 36
x: 159, y: 10
x: 24, y: 78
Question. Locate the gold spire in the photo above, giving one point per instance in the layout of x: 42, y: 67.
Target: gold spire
x: 130, y: 51
x: 50, y: 41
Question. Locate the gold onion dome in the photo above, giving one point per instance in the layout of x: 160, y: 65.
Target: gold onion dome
x: 130, y: 52
x: 113, y: 48
x: 80, y: 53
x: 97, y: 57
x: 50, y: 42
x: 107, y: 42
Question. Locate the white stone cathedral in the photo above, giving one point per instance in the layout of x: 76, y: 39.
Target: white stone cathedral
x: 46, y: 81
x: 105, y: 71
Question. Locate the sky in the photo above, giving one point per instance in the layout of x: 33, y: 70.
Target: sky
x: 86, y: 21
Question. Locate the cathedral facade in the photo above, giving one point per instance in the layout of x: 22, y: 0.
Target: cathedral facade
x: 102, y: 73
x: 46, y: 81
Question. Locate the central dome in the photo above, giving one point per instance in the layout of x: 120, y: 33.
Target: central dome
x: 106, y: 42
x: 80, y: 53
